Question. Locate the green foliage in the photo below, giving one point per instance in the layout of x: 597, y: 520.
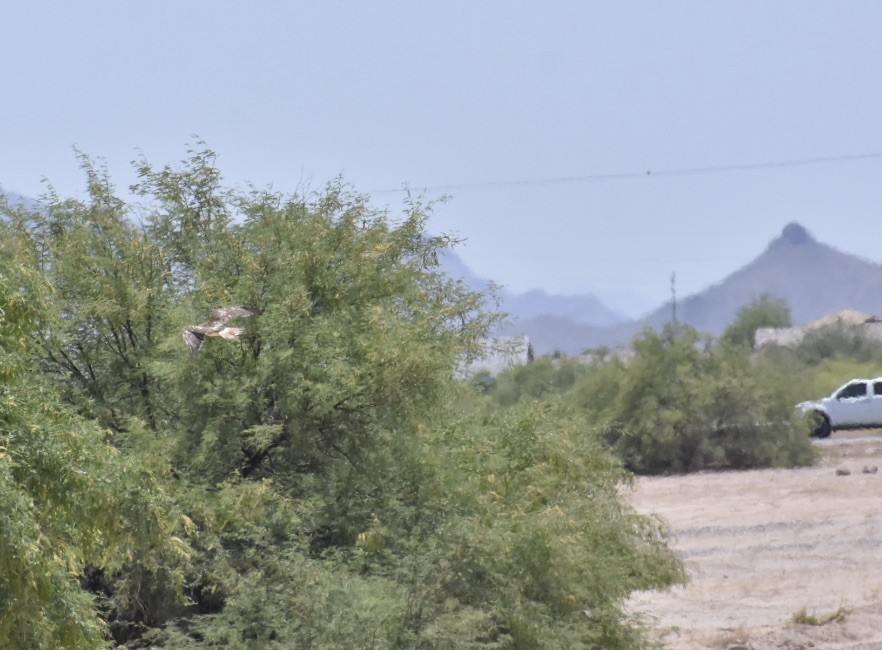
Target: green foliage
x: 340, y: 488
x: 765, y: 311
x: 839, y: 340
x: 70, y: 500
x: 509, y: 530
x: 826, y: 358
x: 830, y: 374
x: 112, y: 298
x: 543, y: 377
x: 683, y: 404
x: 544, y: 539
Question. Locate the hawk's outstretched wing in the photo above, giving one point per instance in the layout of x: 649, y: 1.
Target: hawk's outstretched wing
x: 194, y: 335
x: 223, y: 315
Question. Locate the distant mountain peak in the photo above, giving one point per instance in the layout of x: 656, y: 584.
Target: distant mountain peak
x: 795, y: 233
x: 579, y: 308
x: 814, y: 279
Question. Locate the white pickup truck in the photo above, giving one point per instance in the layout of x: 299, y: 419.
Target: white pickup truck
x: 854, y: 405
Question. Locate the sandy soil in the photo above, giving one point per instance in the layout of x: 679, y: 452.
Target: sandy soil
x: 761, y: 546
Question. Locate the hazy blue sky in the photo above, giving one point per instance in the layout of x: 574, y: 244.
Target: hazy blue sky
x: 457, y: 93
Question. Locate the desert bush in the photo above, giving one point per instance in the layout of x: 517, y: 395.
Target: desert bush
x: 838, y: 340
x: 802, y: 617
x: 511, y: 533
x: 685, y: 404
x: 543, y: 377
x: 543, y: 539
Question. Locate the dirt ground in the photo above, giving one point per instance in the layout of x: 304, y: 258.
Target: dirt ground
x: 762, y: 546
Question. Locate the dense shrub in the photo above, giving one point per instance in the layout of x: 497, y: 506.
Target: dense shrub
x: 543, y: 377
x: 684, y: 404
x: 839, y: 340
x: 544, y: 538
x: 511, y: 534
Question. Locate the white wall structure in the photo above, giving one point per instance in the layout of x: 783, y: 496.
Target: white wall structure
x: 870, y: 325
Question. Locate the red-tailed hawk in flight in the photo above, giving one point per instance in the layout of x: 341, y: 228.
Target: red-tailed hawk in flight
x: 194, y: 335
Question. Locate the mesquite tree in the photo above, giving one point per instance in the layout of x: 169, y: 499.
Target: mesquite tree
x: 338, y: 487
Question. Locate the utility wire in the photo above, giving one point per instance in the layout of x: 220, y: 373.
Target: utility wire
x: 621, y: 176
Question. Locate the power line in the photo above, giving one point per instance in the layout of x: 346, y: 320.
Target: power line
x: 621, y: 176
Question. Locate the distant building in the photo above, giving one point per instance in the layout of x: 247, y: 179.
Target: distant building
x: 870, y: 325
x: 498, y: 354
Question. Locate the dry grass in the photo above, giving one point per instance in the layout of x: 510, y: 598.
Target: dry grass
x: 802, y: 617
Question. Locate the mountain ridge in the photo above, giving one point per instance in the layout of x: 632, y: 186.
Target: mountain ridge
x: 585, y: 309
x: 814, y: 279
